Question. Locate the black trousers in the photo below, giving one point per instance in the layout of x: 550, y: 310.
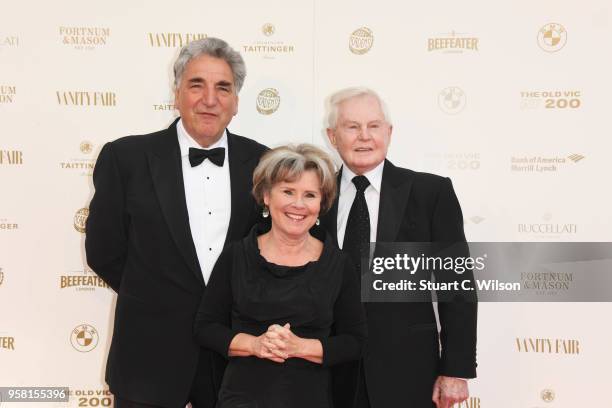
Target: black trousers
x: 201, y: 395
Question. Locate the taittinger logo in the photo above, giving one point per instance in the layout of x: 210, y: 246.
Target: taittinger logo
x: 7, y: 343
x: 268, y: 46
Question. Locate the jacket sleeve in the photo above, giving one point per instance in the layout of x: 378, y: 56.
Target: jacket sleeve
x: 349, y: 332
x: 458, y: 316
x: 106, y: 228
x: 212, y: 327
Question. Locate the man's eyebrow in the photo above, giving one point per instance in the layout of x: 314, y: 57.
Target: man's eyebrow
x: 224, y: 83
x: 196, y: 80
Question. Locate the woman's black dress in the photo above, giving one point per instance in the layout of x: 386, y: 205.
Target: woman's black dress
x: 247, y: 294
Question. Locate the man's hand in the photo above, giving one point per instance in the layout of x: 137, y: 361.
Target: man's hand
x: 448, y: 391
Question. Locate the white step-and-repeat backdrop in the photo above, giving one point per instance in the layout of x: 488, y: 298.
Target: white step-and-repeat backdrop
x: 510, y: 99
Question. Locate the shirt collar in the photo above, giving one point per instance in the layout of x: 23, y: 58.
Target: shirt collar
x: 374, y: 176
x: 186, y: 141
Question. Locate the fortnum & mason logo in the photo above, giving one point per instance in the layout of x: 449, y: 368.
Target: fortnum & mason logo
x: 7, y: 93
x: 452, y: 100
x: 552, y: 37
x: 84, y: 338
x: 84, y: 38
x: 80, y: 219
x: 268, y: 101
x: 361, y: 41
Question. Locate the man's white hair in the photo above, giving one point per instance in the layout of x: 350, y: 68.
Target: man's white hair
x: 349, y: 93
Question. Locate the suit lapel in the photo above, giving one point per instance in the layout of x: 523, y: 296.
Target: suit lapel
x: 167, y: 175
x: 240, y: 181
x: 394, y: 193
x: 330, y: 220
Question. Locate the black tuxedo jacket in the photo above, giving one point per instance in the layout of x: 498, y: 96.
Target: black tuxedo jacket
x: 139, y: 242
x: 403, y: 356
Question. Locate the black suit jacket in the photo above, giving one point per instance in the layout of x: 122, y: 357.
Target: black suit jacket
x: 403, y: 356
x: 139, y: 242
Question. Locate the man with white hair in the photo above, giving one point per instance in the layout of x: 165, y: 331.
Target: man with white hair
x: 165, y: 205
x: 404, y: 365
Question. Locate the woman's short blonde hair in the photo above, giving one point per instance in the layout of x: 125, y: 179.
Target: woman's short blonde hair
x: 288, y: 163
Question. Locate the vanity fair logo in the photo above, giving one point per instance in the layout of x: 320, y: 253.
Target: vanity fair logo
x: 452, y: 100
x: 361, y: 41
x: 547, y: 346
x: 8, y: 41
x: 84, y: 338
x: 268, y: 101
x: 84, y: 165
x: 80, y: 219
x: 543, y: 164
x: 552, y: 37
x: 452, y: 43
x: 11, y: 157
x: 173, y: 40
x: 103, y: 99
x: 563, y: 99
x: 1, y: 277
x: 7, y: 93
x: 84, y: 38
x: 268, y: 45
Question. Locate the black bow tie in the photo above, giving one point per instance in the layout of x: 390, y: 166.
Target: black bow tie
x: 197, y: 156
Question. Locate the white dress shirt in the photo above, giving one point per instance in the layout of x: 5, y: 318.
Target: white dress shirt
x: 347, y: 196
x: 208, y: 197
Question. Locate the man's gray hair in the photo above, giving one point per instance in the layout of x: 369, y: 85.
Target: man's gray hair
x: 214, y: 47
x: 349, y: 93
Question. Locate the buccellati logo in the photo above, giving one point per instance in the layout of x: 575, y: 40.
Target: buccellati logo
x: 552, y: 37
x: 80, y: 219
x: 268, y: 101
x: 361, y: 41
x: 84, y: 338
x: 547, y: 395
x: 452, y: 100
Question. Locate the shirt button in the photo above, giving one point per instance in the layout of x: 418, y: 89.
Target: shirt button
x: 209, y: 213
x: 207, y: 178
x: 210, y: 249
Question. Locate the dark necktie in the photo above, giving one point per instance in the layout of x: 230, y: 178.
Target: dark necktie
x: 197, y: 156
x: 357, y: 231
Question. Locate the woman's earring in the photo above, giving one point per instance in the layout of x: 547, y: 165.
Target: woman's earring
x: 318, y: 222
x: 265, y: 212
